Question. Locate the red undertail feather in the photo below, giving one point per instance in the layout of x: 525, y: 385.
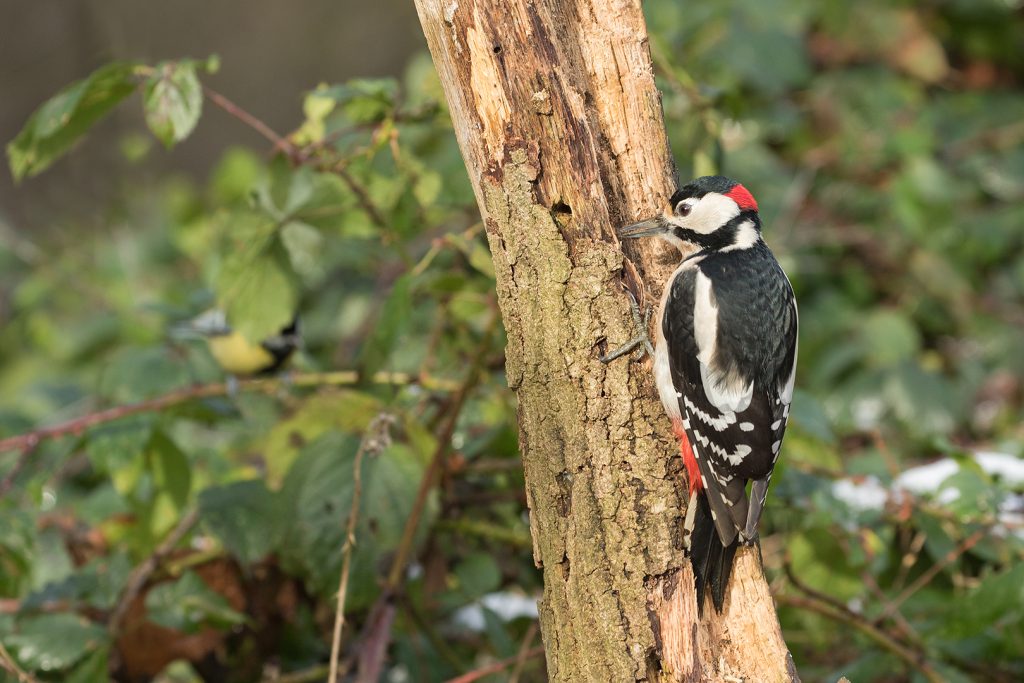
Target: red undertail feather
x: 743, y: 198
x: 692, y: 470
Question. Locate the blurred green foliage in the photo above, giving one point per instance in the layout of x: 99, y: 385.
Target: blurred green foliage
x: 883, y: 142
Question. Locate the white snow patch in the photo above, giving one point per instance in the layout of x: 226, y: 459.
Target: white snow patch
x: 1002, y: 465
x: 863, y: 495
x: 867, y: 412
x: 868, y: 493
x: 506, y: 604
x: 926, y: 478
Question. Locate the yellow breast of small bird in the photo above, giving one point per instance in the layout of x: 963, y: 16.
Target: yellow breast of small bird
x: 237, y: 355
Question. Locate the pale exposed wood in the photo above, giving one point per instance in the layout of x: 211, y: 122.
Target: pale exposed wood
x: 561, y: 128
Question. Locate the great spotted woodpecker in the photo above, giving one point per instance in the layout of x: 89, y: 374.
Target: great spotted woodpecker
x: 724, y: 364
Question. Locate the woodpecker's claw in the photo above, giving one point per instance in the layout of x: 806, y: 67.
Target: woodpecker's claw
x: 642, y: 340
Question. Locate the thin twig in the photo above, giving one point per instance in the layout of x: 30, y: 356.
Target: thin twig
x: 346, y: 561
x: 279, y: 142
x: 428, y: 630
x: 268, y: 386
x: 909, y: 558
x: 19, y: 465
x: 8, y: 664
x: 524, y: 649
x: 362, y: 196
x: 882, y: 638
x: 140, y: 575
x: 487, y: 530
x: 477, y: 674
x: 314, y: 674
x: 900, y: 621
x: 933, y: 571
x: 371, y: 441
x: 443, y: 446
x: 379, y: 624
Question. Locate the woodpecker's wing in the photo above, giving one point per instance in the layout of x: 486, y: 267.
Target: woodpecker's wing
x: 731, y: 326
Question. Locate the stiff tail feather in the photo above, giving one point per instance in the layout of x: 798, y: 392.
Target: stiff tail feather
x: 712, y: 562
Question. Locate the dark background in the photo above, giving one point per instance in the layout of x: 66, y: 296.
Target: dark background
x: 270, y: 52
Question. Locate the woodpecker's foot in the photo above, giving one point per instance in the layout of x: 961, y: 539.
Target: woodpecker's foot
x: 642, y: 341
x: 749, y: 540
x: 232, y: 386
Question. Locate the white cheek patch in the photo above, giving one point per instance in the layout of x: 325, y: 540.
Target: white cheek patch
x: 710, y: 213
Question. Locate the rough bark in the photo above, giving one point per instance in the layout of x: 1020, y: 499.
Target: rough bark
x: 561, y: 128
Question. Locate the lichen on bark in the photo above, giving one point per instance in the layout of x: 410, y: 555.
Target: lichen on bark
x: 602, y: 501
x: 560, y: 125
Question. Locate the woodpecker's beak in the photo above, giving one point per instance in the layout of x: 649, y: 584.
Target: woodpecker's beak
x: 648, y: 228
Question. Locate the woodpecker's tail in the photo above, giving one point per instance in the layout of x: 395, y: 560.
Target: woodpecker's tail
x: 712, y: 561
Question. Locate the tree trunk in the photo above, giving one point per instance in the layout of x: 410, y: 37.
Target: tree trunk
x: 561, y: 128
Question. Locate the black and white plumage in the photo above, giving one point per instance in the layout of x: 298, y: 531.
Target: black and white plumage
x: 725, y: 362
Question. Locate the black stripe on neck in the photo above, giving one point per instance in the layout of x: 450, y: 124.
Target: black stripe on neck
x: 723, y: 236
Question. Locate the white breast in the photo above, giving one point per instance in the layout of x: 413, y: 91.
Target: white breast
x: 662, y: 371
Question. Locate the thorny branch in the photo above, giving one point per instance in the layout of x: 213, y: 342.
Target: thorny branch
x: 279, y: 142
x: 79, y: 425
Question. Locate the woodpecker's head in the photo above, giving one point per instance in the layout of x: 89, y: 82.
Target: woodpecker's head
x: 712, y: 212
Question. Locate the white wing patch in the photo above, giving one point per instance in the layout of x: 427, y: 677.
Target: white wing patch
x: 705, y: 319
x: 725, y: 393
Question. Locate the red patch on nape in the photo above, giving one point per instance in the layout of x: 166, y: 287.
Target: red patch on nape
x: 742, y: 197
x: 689, y: 459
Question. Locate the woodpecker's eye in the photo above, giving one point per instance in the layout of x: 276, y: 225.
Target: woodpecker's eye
x: 683, y: 209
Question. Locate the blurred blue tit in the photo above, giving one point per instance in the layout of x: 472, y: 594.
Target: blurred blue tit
x: 237, y: 355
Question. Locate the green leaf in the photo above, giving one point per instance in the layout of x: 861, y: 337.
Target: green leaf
x: 889, y: 337
x: 476, y: 253
x: 115, y: 449
x: 305, y: 247
x: 172, y: 101
x: 391, y: 323
x: 188, y: 605
x: 67, y: 116
x: 98, y: 584
x: 135, y: 373
x: 317, y: 497
x: 996, y: 599
x: 498, y: 633
x: 245, y: 516
x: 364, y: 100
x: 172, y: 481
x: 345, y: 411
x: 53, y: 642
x: 476, y: 576
x: 92, y: 668
x: 256, y: 286
x: 237, y: 172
